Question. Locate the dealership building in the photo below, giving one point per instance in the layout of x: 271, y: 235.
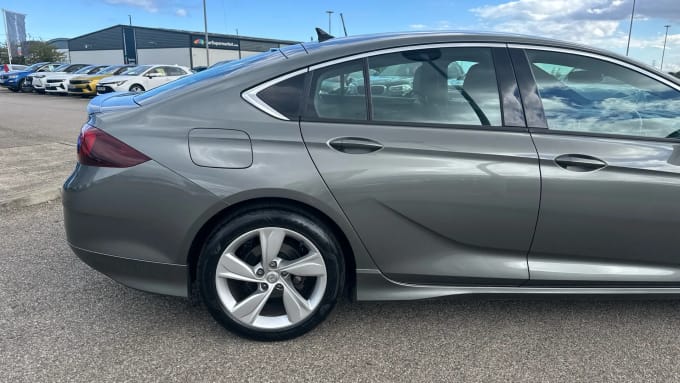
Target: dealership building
x: 140, y: 45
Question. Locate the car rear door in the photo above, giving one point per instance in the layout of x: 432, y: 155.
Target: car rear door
x: 436, y: 171
x: 173, y: 73
x: 155, y: 78
x: 607, y: 134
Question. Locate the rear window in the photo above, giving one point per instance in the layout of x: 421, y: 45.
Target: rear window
x: 210, y: 73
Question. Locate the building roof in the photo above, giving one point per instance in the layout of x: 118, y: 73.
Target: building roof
x: 59, y: 42
x: 240, y: 37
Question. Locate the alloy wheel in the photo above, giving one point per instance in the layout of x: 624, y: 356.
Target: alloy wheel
x: 270, y: 278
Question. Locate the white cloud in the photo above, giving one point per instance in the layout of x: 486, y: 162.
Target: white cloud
x: 148, y: 5
x: 599, y: 23
x: 418, y: 26
x: 177, y: 7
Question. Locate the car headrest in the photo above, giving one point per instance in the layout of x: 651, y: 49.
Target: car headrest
x: 430, y: 83
x: 480, y: 79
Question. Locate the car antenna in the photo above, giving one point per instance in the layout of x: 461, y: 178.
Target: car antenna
x: 323, y: 35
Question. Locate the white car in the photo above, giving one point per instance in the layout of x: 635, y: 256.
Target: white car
x: 59, y: 82
x: 141, y: 78
x: 37, y: 80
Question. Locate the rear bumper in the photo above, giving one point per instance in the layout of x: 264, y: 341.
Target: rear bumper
x: 161, y: 278
x: 136, y: 224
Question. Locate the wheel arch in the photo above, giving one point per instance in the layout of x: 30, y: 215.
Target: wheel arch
x: 263, y: 203
x: 139, y: 85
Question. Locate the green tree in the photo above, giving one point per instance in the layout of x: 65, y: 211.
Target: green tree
x: 39, y: 51
x: 3, y: 54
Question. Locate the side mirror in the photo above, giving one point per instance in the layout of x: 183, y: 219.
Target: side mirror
x: 152, y: 75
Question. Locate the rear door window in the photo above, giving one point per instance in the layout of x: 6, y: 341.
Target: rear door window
x: 338, y: 92
x: 454, y: 86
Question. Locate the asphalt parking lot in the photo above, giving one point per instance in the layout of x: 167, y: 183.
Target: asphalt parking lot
x: 62, y: 321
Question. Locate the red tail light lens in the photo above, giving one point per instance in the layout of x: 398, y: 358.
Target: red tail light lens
x: 97, y: 148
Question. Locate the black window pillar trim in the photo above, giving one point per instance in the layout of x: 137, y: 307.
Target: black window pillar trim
x: 367, y: 89
x: 512, y: 111
x: 528, y: 89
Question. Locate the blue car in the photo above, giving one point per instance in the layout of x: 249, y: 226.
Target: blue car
x: 15, y: 80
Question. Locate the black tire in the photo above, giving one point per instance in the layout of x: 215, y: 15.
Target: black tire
x: 21, y: 86
x: 136, y: 88
x: 300, y: 222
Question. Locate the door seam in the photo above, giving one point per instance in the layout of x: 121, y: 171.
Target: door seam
x: 361, y: 240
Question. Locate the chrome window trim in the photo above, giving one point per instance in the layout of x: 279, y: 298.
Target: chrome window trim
x: 406, y: 48
x: 251, y: 97
x: 612, y: 60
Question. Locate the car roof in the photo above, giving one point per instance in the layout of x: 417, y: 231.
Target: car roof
x: 378, y: 41
x: 295, y: 57
x: 346, y: 46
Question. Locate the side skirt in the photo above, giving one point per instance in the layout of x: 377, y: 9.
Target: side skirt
x: 372, y: 285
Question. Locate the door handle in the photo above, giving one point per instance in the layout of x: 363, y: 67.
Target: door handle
x: 579, y: 162
x: 355, y: 145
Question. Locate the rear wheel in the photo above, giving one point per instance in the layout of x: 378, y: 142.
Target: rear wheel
x: 270, y: 274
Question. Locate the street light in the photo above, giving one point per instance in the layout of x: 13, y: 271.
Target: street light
x: 329, y: 22
x: 663, y: 53
x: 630, y: 29
x: 205, y: 24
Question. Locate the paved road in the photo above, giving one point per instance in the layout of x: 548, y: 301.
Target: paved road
x: 30, y: 119
x: 37, y: 145
x: 62, y: 321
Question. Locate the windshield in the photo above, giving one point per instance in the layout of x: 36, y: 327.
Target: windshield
x: 84, y: 70
x: 61, y: 67
x: 35, y: 66
x: 137, y: 71
x: 109, y: 69
x: 212, y: 72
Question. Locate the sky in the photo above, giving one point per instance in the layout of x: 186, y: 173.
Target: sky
x: 599, y: 23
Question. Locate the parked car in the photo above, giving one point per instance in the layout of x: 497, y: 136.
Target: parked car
x: 141, y: 78
x: 37, y: 82
x: 58, y: 83
x: 12, y: 67
x: 16, y: 80
x: 271, y: 185
x: 87, y: 85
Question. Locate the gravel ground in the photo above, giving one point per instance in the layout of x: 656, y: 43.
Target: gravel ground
x: 62, y: 321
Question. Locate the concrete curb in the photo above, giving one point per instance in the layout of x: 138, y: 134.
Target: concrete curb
x: 33, y: 197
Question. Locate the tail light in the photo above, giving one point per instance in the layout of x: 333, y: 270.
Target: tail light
x: 98, y: 148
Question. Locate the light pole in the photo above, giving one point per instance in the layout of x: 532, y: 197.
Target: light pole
x: 663, y: 52
x: 329, y: 22
x: 630, y: 29
x: 205, y: 23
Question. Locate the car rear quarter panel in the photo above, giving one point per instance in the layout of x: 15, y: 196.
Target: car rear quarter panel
x: 281, y: 168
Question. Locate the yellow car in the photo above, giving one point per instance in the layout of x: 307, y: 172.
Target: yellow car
x: 87, y: 85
